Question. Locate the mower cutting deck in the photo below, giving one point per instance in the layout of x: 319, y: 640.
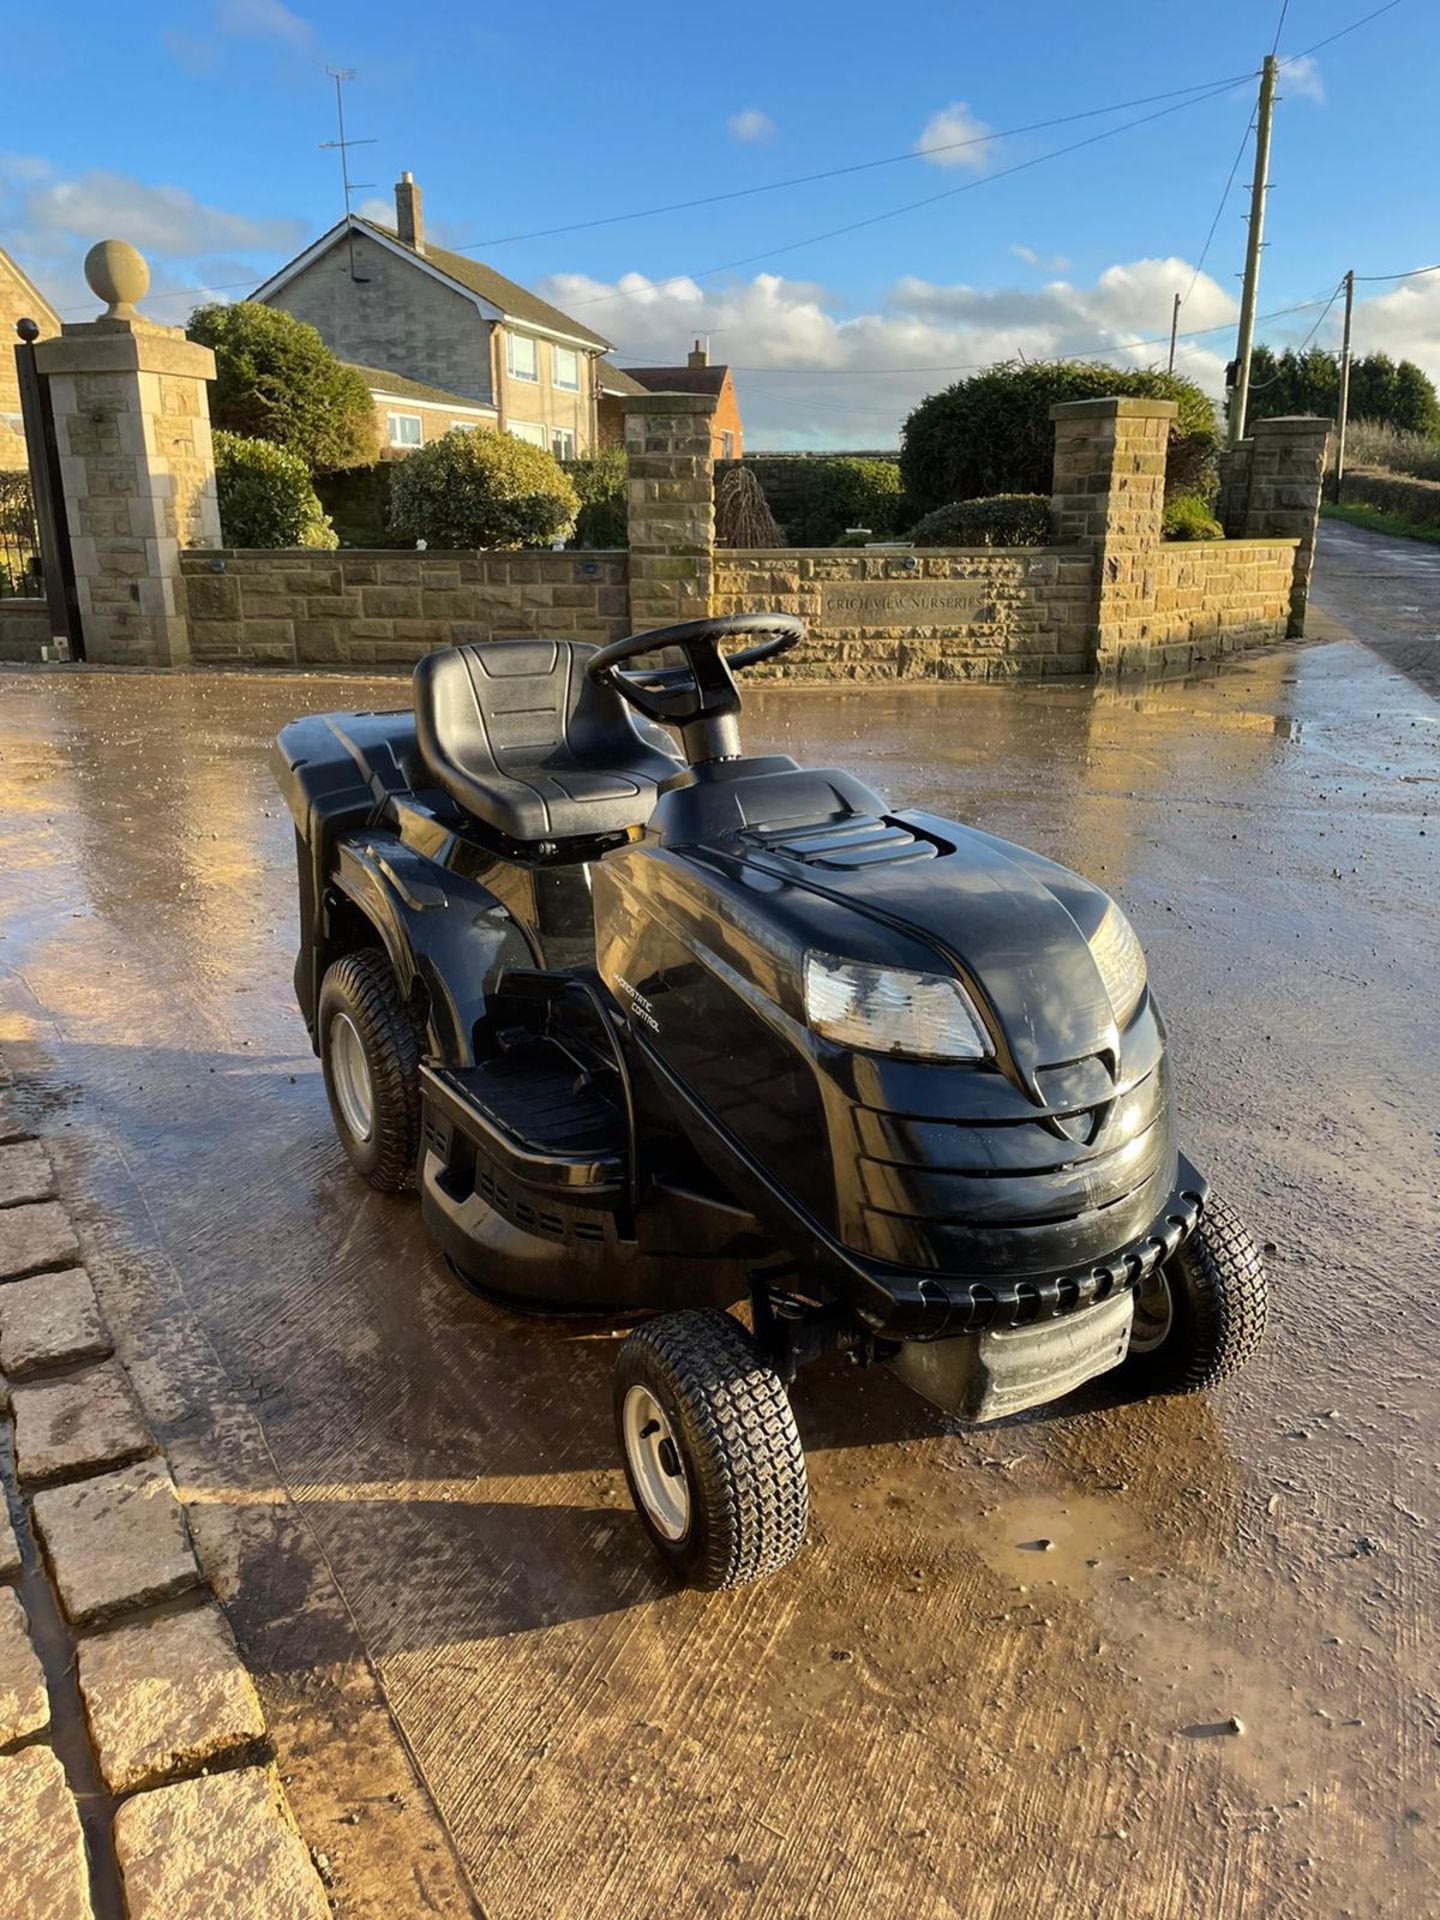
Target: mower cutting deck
x: 675, y: 1033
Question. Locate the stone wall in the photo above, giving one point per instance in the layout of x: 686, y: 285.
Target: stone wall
x: 24, y: 630
x: 353, y: 608
x: 940, y: 614
x: 1217, y: 596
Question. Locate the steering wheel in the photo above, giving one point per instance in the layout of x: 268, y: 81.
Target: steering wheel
x: 704, y: 688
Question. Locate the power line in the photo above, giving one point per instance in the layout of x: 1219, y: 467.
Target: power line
x: 910, y: 206
x: 1224, y: 196
x: 1340, y: 33
x: 836, y: 173
x: 1413, y: 274
x: 1279, y: 28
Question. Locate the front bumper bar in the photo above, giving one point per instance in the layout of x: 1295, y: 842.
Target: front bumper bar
x: 934, y: 1307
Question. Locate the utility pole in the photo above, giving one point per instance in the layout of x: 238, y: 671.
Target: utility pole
x: 1259, y: 187
x: 1344, y: 383
x: 1174, y: 325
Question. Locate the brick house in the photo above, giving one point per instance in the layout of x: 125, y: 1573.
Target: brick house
x: 727, y: 437
x: 20, y: 299
x: 440, y: 339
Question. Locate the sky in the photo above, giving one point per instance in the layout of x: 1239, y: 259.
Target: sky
x: 196, y: 130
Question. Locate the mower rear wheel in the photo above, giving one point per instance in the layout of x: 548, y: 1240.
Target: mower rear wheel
x: 1201, y: 1316
x: 711, y: 1450
x: 370, y: 1045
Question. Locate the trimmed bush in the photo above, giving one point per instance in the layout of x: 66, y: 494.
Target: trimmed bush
x: 1189, y: 518
x: 482, y: 490
x: 266, y: 496
x: 993, y: 433
x: 815, y: 497
x: 276, y: 380
x: 1002, y: 520
x: 599, y: 483
x: 742, y: 513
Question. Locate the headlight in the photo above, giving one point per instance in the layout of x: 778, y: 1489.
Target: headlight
x: 1118, y: 955
x: 883, y: 1010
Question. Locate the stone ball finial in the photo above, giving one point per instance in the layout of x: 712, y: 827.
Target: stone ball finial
x: 118, y: 275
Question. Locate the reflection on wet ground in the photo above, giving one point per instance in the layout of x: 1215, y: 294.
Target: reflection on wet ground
x: 1211, y: 1692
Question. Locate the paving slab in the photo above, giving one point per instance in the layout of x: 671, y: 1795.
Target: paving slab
x: 42, y: 1850
x: 166, y: 1697
x: 25, y: 1173
x: 24, y: 1703
x: 13, y: 1124
x: 34, y: 1237
x: 76, y: 1424
x: 216, y: 1848
x: 50, y: 1320
x: 117, y: 1541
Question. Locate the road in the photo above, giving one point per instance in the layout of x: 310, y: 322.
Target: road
x: 416, y: 1501
x: 1387, y: 591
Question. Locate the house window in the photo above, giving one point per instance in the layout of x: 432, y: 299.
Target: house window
x: 404, y: 429
x: 524, y: 430
x: 461, y: 426
x: 520, y: 356
x: 727, y: 446
x: 565, y: 366
x: 562, y: 443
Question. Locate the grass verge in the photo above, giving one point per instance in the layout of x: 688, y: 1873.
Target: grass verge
x: 1381, y: 522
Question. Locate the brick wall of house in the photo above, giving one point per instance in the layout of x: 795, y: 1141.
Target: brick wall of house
x: 392, y: 315
x: 19, y: 300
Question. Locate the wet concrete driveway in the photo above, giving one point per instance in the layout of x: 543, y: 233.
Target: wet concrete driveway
x: 924, y: 1716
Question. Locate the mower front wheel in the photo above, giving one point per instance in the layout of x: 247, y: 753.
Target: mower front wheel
x: 370, y: 1045
x: 711, y: 1450
x: 1201, y: 1316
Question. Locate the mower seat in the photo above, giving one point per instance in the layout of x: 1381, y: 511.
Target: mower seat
x: 515, y: 733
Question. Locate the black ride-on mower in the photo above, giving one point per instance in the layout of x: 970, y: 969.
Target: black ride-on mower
x: 661, y: 1033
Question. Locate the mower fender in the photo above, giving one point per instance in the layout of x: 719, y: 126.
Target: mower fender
x: 445, y: 932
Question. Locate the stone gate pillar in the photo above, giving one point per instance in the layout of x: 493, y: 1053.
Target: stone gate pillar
x: 1284, y: 479
x: 132, y: 424
x: 670, y: 495
x: 1109, y: 494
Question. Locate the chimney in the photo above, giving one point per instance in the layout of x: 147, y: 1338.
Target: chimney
x: 408, y: 223
x: 699, y: 356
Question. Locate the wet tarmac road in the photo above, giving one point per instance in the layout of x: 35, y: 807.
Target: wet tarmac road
x: 924, y: 1715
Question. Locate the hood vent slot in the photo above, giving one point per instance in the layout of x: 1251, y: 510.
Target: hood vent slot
x: 858, y: 840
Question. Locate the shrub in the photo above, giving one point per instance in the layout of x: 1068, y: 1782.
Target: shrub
x: 599, y: 484
x: 358, y: 503
x: 1002, y: 520
x: 482, y: 490
x: 742, y: 513
x: 1189, y: 518
x: 266, y: 496
x: 993, y: 433
x: 1370, y: 443
x: 816, y: 497
x: 276, y: 380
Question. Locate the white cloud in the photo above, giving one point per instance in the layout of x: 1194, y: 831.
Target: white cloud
x: 752, y: 126
x: 165, y: 220
x: 379, y: 209
x: 954, y: 137
x: 263, y: 20
x: 811, y: 375
x: 1045, y: 263
x: 1299, y: 79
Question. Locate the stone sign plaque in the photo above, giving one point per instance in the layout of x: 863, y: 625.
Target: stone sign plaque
x: 903, y: 603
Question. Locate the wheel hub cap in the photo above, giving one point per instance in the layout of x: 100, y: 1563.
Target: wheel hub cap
x: 350, y: 1077
x: 655, y: 1463
x: 1154, y: 1314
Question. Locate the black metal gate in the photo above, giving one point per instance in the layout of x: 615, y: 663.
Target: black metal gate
x: 42, y: 537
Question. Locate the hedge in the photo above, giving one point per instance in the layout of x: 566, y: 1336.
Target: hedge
x: 1417, y: 501
x: 816, y: 497
x: 599, y: 483
x: 266, y: 498
x: 1002, y: 520
x: 481, y: 490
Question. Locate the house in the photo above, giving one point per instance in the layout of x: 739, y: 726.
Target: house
x: 727, y: 437
x: 20, y: 299
x: 414, y: 315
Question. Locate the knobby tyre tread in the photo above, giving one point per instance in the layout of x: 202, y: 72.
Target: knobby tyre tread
x: 1218, y: 1288
x: 750, y: 1493
x: 364, y: 984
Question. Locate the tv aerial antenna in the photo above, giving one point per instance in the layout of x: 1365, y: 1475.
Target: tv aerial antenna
x: 341, y: 145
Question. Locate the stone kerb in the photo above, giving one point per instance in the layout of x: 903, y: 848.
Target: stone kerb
x: 670, y: 496
x: 1109, y: 494
x: 133, y: 428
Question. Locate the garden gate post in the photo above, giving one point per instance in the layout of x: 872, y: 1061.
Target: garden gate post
x: 1284, y: 480
x: 132, y: 428
x: 670, y: 495
x: 1109, y: 495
